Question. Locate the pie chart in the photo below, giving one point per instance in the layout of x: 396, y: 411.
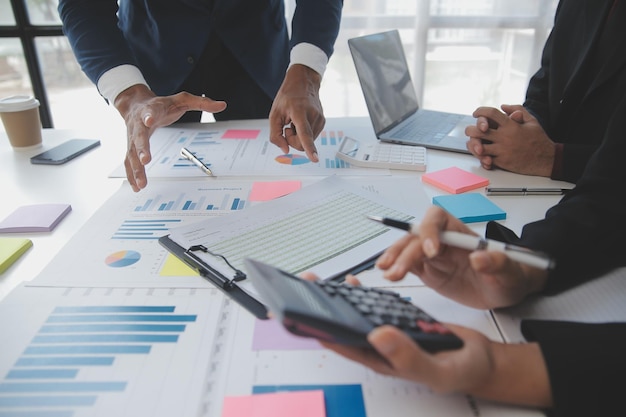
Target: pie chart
x: 291, y: 159
x: 122, y: 258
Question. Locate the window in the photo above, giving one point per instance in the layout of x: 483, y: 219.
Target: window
x: 462, y: 54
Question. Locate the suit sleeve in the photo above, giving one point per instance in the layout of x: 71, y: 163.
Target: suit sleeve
x: 586, y: 365
x: 585, y: 231
x: 92, y: 30
x: 317, y: 22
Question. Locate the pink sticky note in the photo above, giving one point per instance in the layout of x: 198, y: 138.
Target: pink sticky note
x: 271, y: 335
x: 278, y: 404
x: 455, y: 180
x: 34, y: 218
x: 241, y: 134
x: 264, y: 191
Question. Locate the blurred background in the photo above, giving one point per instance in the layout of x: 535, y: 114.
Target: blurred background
x: 462, y: 54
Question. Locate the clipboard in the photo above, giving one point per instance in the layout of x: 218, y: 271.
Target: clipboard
x: 227, y: 285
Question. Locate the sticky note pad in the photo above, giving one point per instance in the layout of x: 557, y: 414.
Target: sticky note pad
x: 34, y: 218
x: 279, y: 404
x: 470, y: 207
x: 265, y: 191
x: 11, y: 249
x: 455, y: 180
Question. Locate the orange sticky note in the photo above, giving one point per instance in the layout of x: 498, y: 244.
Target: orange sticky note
x: 455, y: 180
x: 264, y: 191
x: 279, y: 404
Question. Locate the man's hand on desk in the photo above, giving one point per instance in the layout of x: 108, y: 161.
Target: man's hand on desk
x: 479, y: 279
x: 297, y: 105
x: 143, y: 112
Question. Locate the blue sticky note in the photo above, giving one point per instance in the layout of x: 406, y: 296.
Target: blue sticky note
x: 470, y: 207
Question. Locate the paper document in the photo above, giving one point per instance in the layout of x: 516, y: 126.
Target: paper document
x: 241, y: 148
x: 597, y: 301
x: 321, y: 228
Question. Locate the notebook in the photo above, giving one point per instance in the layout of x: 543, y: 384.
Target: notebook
x: 392, y: 102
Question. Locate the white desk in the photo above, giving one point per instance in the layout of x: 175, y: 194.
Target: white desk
x: 84, y: 184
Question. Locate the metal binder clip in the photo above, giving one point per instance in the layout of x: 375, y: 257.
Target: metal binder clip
x: 227, y: 283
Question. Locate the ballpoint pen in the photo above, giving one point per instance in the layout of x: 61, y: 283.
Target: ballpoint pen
x: 471, y: 242
x: 187, y: 154
x: 525, y: 191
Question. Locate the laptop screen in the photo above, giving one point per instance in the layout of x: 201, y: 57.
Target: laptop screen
x: 384, y: 76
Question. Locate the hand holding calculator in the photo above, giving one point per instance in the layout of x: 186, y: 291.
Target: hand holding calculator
x: 342, y: 313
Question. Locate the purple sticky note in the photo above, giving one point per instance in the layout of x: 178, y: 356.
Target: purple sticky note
x: 34, y: 218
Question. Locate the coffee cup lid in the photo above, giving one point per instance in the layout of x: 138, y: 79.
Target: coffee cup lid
x: 18, y: 103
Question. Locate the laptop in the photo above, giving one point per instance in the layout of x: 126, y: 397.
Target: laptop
x: 391, y: 100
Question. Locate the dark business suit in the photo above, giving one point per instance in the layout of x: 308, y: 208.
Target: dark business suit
x: 581, y: 80
x: 584, y: 233
x: 169, y: 39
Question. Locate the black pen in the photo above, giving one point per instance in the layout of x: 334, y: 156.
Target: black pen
x: 187, y: 154
x: 525, y: 191
x: 471, y: 242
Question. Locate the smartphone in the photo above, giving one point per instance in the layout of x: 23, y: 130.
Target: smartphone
x: 342, y: 313
x: 64, y: 152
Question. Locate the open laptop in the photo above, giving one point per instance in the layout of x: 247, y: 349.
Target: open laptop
x: 391, y: 100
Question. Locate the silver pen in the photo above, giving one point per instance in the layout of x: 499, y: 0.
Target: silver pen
x: 470, y: 242
x: 187, y: 154
x: 526, y: 191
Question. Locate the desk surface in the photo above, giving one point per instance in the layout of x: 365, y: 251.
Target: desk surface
x: 85, y: 184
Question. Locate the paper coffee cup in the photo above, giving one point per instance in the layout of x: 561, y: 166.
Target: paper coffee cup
x: 20, y: 117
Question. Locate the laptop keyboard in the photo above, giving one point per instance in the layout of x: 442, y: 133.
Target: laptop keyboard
x: 429, y: 126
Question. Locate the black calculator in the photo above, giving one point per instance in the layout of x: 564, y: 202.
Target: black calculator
x: 342, y: 313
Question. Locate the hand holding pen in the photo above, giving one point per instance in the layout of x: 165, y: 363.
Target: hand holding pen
x: 482, y: 279
x: 471, y: 242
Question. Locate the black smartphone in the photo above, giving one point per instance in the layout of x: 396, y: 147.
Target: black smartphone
x: 342, y: 313
x: 64, y: 152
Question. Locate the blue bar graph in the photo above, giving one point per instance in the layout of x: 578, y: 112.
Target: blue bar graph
x: 113, y: 309
x: 42, y: 373
x: 106, y: 338
x: 61, y: 387
x: 67, y: 361
x: 92, y: 328
x: 45, y: 380
x: 87, y: 350
x: 41, y: 413
x: 144, y: 229
x: 48, y: 401
x: 98, y: 318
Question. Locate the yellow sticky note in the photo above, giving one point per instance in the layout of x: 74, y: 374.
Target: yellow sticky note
x: 11, y: 248
x: 174, y: 267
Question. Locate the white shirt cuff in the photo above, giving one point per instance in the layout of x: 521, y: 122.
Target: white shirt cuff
x: 309, y: 55
x: 118, y: 79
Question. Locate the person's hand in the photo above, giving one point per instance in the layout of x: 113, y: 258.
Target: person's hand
x: 297, y: 106
x: 479, y: 279
x: 512, y: 140
x: 143, y: 112
x: 481, y: 367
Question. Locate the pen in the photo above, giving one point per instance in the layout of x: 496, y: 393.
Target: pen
x: 187, y: 154
x: 525, y: 191
x: 470, y: 242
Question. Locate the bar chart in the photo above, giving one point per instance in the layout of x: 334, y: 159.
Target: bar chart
x: 86, y: 351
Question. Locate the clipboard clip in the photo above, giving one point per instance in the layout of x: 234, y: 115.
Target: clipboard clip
x: 225, y: 282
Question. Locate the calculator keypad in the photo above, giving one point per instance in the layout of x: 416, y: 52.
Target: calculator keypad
x: 398, y: 154
x: 385, y: 307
